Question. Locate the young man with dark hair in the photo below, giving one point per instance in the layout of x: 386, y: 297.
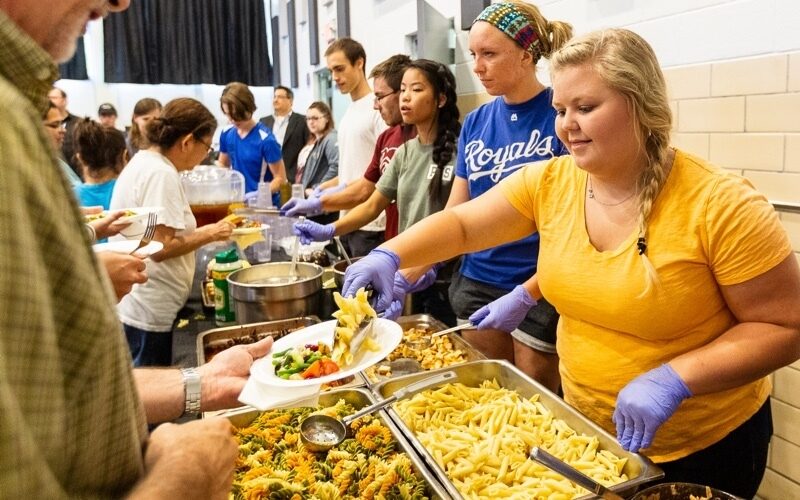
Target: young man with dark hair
x: 358, y: 132
x: 289, y: 128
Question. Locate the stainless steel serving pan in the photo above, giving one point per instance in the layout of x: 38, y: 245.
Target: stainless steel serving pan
x: 428, y: 322
x: 638, y: 467
x: 210, y: 342
x: 360, y: 398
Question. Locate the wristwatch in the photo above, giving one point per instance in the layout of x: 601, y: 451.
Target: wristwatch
x: 191, y: 390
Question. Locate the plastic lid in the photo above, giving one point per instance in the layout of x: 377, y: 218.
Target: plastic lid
x: 227, y: 257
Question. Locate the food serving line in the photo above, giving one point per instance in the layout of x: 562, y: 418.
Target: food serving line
x: 447, y: 459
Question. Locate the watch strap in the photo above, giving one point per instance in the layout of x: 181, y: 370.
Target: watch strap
x: 191, y: 390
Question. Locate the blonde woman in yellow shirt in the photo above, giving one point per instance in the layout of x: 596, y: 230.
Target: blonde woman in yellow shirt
x: 676, y: 283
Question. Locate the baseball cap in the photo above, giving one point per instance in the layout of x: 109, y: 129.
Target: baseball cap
x: 106, y: 109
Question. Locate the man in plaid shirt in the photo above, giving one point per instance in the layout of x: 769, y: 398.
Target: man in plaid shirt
x: 73, y: 413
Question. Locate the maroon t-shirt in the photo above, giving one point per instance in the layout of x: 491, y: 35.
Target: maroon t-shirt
x: 387, y: 144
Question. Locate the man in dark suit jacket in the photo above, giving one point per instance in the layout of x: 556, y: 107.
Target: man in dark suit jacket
x: 289, y: 128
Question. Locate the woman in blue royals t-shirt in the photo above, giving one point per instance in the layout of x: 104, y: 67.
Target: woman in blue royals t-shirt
x: 249, y: 146
x: 517, y: 127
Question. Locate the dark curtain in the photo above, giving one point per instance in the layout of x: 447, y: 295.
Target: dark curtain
x: 75, y: 68
x: 188, y: 42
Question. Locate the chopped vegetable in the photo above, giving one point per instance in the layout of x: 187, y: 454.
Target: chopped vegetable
x: 310, y: 361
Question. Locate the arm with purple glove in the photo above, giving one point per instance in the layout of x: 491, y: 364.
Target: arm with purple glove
x: 402, y: 287
x: 299, y: 206
x: 507, y: 312
x: 645, y: 404
x: 310, y: 206
x: 377, y: 269
x: 319, y: 191
x: 309, y: 231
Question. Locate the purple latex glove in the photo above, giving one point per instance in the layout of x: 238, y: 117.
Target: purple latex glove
x: 309, y: 231
x: 250, y: 198
x: 394, y: 310
x: 319, y: 192
x: 376, y: 269
x: 646, y: 403
x: 506, y: 313
x: 402, y: 286
x: 299, y: 206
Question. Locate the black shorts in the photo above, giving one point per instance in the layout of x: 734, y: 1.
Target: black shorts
x: 537, y: 330
x: 360, y: 242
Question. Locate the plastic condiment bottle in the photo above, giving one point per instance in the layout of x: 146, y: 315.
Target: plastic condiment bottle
x: 225, y: 263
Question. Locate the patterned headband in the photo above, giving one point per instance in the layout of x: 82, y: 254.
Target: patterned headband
x: 508, y: 19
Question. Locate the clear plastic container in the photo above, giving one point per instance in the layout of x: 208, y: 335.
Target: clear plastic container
x: 211, y: 190
x: 264, y: 198
x: 260, y: 252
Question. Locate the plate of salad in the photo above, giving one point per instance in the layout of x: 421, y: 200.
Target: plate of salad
x: 303, y: 358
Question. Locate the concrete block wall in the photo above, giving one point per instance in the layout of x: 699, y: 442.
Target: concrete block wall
x: 742, y: 115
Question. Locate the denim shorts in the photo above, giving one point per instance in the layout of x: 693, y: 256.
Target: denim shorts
x: 537, y: 330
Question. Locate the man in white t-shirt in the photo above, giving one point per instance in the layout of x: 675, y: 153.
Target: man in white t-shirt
x: 358, y: 132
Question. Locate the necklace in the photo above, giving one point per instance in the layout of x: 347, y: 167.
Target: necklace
x: 592, y: 196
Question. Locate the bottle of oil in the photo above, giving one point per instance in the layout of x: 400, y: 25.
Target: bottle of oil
x: 286, y: 192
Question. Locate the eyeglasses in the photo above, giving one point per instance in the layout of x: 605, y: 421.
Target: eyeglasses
x: 379, y: 97
x: 56, y: 125
x: 314, y: 118
x: 208, y: 146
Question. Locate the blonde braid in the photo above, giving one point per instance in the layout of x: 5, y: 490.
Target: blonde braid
x: 650, y: 182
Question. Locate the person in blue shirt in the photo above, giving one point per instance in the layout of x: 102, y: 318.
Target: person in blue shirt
x: 517, y: 127
x: 101, y: 153
x: 249, y: 146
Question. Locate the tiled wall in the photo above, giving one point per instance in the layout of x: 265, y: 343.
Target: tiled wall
x: 744, y: 115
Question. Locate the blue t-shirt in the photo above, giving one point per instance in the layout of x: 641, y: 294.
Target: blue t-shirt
x: 496, y: 140
x: 247, y: 155
x: 91, y: 195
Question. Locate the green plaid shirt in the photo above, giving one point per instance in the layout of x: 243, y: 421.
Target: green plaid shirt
x: 71, y: 424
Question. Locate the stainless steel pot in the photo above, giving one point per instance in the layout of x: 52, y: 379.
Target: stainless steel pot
x: 681, y: 491
x: 339, y: 269
x: 260, y: 293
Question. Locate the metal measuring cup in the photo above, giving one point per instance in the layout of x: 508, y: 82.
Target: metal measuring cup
x: 321, y: 432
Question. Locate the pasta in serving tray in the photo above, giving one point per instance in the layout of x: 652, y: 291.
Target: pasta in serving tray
x: 481, y: 436
x: 274, y: 463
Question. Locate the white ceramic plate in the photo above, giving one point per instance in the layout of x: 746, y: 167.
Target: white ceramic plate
x: 249, y: 230
x: 137, y: 222
x: 387, y: 334
x: 127, y: 246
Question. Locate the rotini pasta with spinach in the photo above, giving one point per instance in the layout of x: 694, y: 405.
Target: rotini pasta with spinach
x: 273, y: 463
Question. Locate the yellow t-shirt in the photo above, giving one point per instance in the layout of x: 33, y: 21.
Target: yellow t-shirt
x: 707, y: 228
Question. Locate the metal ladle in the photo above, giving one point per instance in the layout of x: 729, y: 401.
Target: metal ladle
x: 342, y: 250
x: 295, y: 255
x: 321, y: 432
x: 572, y: 474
